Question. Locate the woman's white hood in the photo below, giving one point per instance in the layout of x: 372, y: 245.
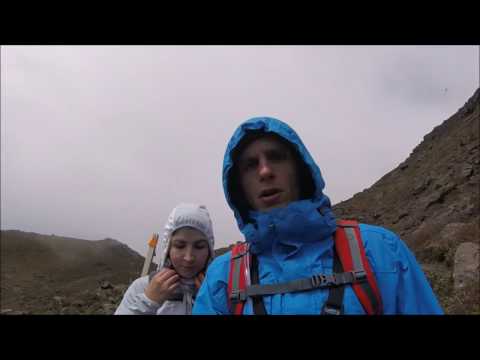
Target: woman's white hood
x: 184, y: 214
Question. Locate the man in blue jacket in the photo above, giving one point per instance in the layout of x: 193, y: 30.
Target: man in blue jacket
x: 275, y: 190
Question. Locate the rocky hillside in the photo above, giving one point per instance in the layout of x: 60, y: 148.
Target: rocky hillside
x: 432, y: 201
x: 42, y: 274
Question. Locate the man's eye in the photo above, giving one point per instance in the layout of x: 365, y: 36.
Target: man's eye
x: 250, y: 164
x: 278, y: 155
x: 178, y: 246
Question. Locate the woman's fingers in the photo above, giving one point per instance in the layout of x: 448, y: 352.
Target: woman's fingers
x: 173, y: 286
x: 162, y: 285
x: 163, y: 275
x: 171, y: 280
x: 172, y: 283
x: 164, y: 279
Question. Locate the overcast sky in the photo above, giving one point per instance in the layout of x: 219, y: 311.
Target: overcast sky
x: 103, y: 141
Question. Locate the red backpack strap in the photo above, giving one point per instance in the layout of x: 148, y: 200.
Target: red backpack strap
x: 237, y: 279
x: 350, y: 249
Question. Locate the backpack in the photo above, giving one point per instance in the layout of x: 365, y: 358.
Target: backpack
x: 350, y: 266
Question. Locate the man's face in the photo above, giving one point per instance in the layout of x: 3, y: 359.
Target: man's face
x: 268, y: 174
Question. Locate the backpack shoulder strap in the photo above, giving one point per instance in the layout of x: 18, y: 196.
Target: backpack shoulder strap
x: 334, y: 303
x: 238, y: 278
x: 350, y: 250
x: 257, y: 301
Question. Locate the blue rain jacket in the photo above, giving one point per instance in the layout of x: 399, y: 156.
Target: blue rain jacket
x: 296, y: 242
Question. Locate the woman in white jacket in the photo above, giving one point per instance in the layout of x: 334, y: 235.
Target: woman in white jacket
x: 186, y: 249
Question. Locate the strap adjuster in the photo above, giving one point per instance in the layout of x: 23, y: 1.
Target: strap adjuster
x: 239, y: 255
x: 327, y: 310
x: 359, y: 275
x: 323, y: 280
x: 318, y: 280
x: 238, y: 296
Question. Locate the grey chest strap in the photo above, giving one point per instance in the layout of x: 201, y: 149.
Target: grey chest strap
x: 315, y: 282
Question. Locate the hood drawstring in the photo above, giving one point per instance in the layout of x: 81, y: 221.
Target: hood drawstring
x: 189, y: 291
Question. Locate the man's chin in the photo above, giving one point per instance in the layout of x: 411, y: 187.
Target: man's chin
x: 275, y: 206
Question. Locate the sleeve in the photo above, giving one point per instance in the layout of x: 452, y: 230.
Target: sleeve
x: 211, y: 298
x: 135, y: 302
x: 414, y: 295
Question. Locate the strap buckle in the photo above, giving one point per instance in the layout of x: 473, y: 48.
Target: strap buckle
x: 243, y: 253
x: 238, y: 296
x: 318, y: 280
x: 322, y: 280
x: 359, y: 275
x: 240, y: 255
x: 328, y: 310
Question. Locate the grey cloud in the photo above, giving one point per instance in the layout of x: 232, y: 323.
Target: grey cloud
x: 104, y: 141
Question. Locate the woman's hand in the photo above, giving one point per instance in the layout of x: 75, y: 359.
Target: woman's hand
x: 163, y: 285
x: 199, y: 279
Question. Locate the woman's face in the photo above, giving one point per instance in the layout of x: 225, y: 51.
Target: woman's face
x: 189, y: 251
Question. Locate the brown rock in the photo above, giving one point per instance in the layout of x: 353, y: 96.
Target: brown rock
x: 78, y: 303
x: 106, y: 285
x: 467, y: 265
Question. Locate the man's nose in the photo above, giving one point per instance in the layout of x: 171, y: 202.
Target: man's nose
x: 265, y: 170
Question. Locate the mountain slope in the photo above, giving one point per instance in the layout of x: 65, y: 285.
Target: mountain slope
x: 438, y: 184
x: 35, y: 268
x: 432, y: 199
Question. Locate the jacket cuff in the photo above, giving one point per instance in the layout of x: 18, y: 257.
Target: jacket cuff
x: 144, y: 305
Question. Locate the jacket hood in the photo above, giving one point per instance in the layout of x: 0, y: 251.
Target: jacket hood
x: 275, y: 126
x: 183, y: 215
